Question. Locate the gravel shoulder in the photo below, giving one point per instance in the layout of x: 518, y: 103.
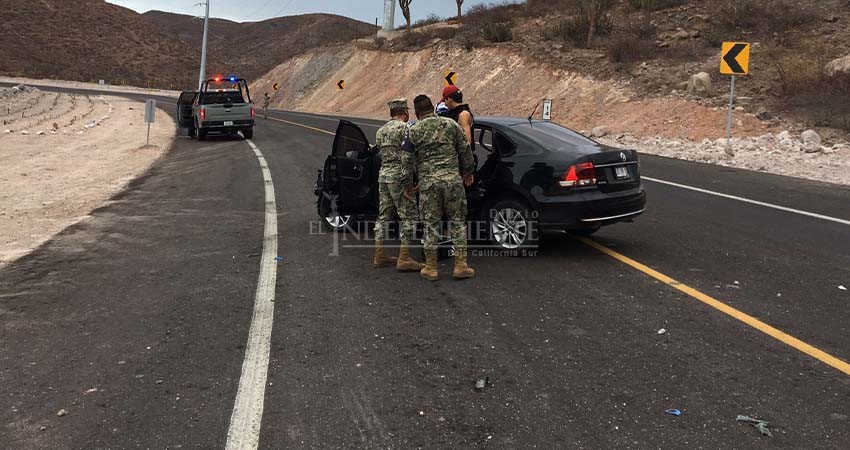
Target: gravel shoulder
x: 58, y: 163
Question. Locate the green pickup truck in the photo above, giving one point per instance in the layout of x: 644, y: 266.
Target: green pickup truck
x: 221, y: 106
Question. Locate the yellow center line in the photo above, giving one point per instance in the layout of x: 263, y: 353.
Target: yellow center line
x: 303, y: 126
x: 781, y: 336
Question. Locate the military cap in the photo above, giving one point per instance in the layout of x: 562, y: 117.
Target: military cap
x: 399, y: 103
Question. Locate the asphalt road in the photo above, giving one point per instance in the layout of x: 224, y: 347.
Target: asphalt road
x: 135, y: 322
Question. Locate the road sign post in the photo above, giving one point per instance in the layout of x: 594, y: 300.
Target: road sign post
x: 547, y: 109
x: 340, y: 86
x: 734, y: 61
x: 731, y: 110
x: 150, y: 117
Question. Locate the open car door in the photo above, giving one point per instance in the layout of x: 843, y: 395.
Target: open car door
x: 355, y: 175
x: 184, y: 108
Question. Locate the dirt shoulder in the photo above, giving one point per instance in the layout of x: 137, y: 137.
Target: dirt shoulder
x: 66, y: 157
x: 90, y: 86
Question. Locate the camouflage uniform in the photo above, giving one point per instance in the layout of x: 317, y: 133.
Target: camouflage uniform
x: 391, y: 199
x: 442, y: 155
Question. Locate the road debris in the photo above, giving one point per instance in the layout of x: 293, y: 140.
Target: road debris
x: 278, y: 258
x: 62, y: 413
x: 482, y: 383
x: 662, y: 331
x: 90, y: 391
x: 843, y: 288
x: 758, y: 424
x: 673, y: 412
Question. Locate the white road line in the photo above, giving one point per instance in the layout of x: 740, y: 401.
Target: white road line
x: 752, y: 202
x: 244, y: 432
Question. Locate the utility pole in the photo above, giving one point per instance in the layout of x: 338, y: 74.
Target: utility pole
x: 389, y: 18
x: 204, y: 45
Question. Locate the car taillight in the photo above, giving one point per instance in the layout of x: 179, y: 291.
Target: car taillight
x: 203, y: 114
x: 252, y: 112
x: 581, y: 174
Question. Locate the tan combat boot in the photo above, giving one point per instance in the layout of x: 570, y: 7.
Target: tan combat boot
x: 380, y: 260
x: 405, y: 262
x: 462, y: 269
x: 429, y: 272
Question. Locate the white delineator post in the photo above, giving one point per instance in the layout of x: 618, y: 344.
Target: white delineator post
x: 150, y: 117
x: 389, y: 17
x: 204, y: 44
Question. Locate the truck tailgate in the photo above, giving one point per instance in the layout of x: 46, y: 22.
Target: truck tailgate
x: 220, y: 113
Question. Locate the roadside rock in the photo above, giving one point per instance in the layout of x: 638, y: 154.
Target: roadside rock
x: 764, y: 116
x: 811, y: 147
x: 811, y: 137
x: 599, y: 132
x: 838, y: 66
x: 700, y: 84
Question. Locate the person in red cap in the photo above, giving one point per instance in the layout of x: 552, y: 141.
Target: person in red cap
x: 458, y: 110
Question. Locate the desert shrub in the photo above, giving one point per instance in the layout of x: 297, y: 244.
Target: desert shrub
x: 469, y: 40
x: 430, y: 20
x: 809, y: 92
x: 379, y: 43
x: 633, y: 41
x: 575, y: 29
x: 497, y: 32
x: 625, y: 48
x: 509, y: 10
x: 655, y: 5
x: 763, y: 16
x: 494, y: 12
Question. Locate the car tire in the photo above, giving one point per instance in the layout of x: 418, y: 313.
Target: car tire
x: 512, y: 226
x: 329, y: 221
x: 248, y: 133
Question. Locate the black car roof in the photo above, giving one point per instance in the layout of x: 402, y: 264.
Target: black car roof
x: 503, y: 120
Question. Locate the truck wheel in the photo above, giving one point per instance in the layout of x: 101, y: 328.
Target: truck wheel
x: 248, y: 133
x: 202, y: 135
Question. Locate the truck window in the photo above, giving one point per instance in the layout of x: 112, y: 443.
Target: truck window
x: 221, y: 98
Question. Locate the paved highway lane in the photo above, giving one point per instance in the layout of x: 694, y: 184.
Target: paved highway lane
x: 376, y: 359
x: 135, y: 320
x: 579, y: 328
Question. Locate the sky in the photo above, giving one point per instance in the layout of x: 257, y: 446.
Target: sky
x: 256, y: 10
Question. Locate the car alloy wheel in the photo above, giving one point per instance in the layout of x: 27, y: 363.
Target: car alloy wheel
x: 509, y: 228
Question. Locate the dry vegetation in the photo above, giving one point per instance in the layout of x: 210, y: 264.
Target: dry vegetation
x: 794, y: 41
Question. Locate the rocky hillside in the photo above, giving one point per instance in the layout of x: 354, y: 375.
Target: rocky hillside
x: 89, y: 40
x: 649, y: 49
x: 253, y: 48
x: 647, y: 80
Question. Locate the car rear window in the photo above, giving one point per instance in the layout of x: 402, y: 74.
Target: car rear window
x: 220, y: 98
x: 551, y: 136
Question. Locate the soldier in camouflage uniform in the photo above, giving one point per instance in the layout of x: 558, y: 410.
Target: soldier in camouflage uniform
x: 391, y: 194
x: 445, y: 164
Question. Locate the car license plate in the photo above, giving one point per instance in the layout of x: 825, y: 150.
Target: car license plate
x: 621, y: 172
x: 228, y: 123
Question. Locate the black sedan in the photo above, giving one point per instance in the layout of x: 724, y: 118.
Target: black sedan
x: 531, y: 176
